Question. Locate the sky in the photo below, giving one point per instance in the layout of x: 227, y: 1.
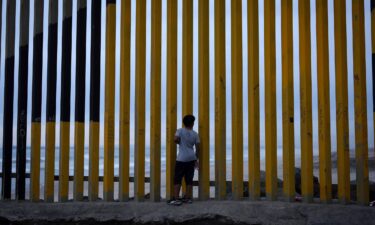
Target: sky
x: 195, y: 70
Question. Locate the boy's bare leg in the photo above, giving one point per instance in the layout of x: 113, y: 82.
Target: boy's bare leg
x: 189, y: 191
x: 177, y: 188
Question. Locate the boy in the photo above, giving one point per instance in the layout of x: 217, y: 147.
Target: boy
x: 187, y: 160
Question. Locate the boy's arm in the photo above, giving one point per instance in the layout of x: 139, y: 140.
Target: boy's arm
x: 197, y: 150
x: 197, y: 146
x: 177, y: 138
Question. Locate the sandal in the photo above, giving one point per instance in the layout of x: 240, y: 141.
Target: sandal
x: 175, y: 202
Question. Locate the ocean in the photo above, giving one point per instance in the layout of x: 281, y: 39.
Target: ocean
x: 163, y: 161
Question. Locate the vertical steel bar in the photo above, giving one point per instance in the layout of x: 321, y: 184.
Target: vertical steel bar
x: 270, y: 99
x: 109, y: 131
x: 237, y: 117
x: 373, y: 54
x: 125, y: 99
x: 140, y: 101
x: 204, y: 99
x: 253, y: 101
x: 187, y: 63
x: 342, y: 123
x: 6, y: 180
x: 323, y: 101
x: 65, y: 101
x: 360, y: 102
x: 94, y: 99
x: 36, y: 101
x: 171, y: 93
x: 79, y: 133
x: 220, y: 101
x: 51, y: 103
x: 23, y: 77
x: 288, y: 99
x: 155, y: 145
x: 187, y: 57
x: 305, y: 101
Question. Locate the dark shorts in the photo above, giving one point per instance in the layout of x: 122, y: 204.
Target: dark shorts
x: 186, y: 170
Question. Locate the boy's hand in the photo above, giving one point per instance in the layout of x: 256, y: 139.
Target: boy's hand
x: 196, y: 166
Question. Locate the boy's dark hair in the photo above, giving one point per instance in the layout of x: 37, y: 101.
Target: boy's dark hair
x: 188, y: 120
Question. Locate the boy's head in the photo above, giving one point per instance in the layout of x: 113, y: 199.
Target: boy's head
x: 188, y: 121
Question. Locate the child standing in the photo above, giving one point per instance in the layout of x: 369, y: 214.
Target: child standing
x: 187, y: 160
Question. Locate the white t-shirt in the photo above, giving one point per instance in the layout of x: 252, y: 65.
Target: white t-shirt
x: 188, y: 138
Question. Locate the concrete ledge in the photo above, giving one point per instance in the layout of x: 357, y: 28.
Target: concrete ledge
x: 207, y: 212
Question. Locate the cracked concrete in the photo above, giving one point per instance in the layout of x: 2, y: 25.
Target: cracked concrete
x: 205, y: 212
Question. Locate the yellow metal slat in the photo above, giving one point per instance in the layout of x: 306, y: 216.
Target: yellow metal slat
x: 79, y: 151
x: 220, y: 102
x: 36, y: 96
x: 270, y: 99
x: 187, y: 57
x: 187, y: 63
x: 342, y: 123
x: 49, y: 180
x: 35, y: 162
x: 305, y: 101
x: 373, y: 25
x: 373, y: 53
x: 288, y: 101
x: 65, y: 107
x: 109, y: 103
x: 204, y: 100
x: 253, y: 93
x: 140, y: 101
x: 155, y: 139
x: 360, y: 102
x: 125, y: 100
x: 94, y: 161
x: 171, y: 93
x: 237, y: 118
x: 323, y: 101
x: 64, y: 161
